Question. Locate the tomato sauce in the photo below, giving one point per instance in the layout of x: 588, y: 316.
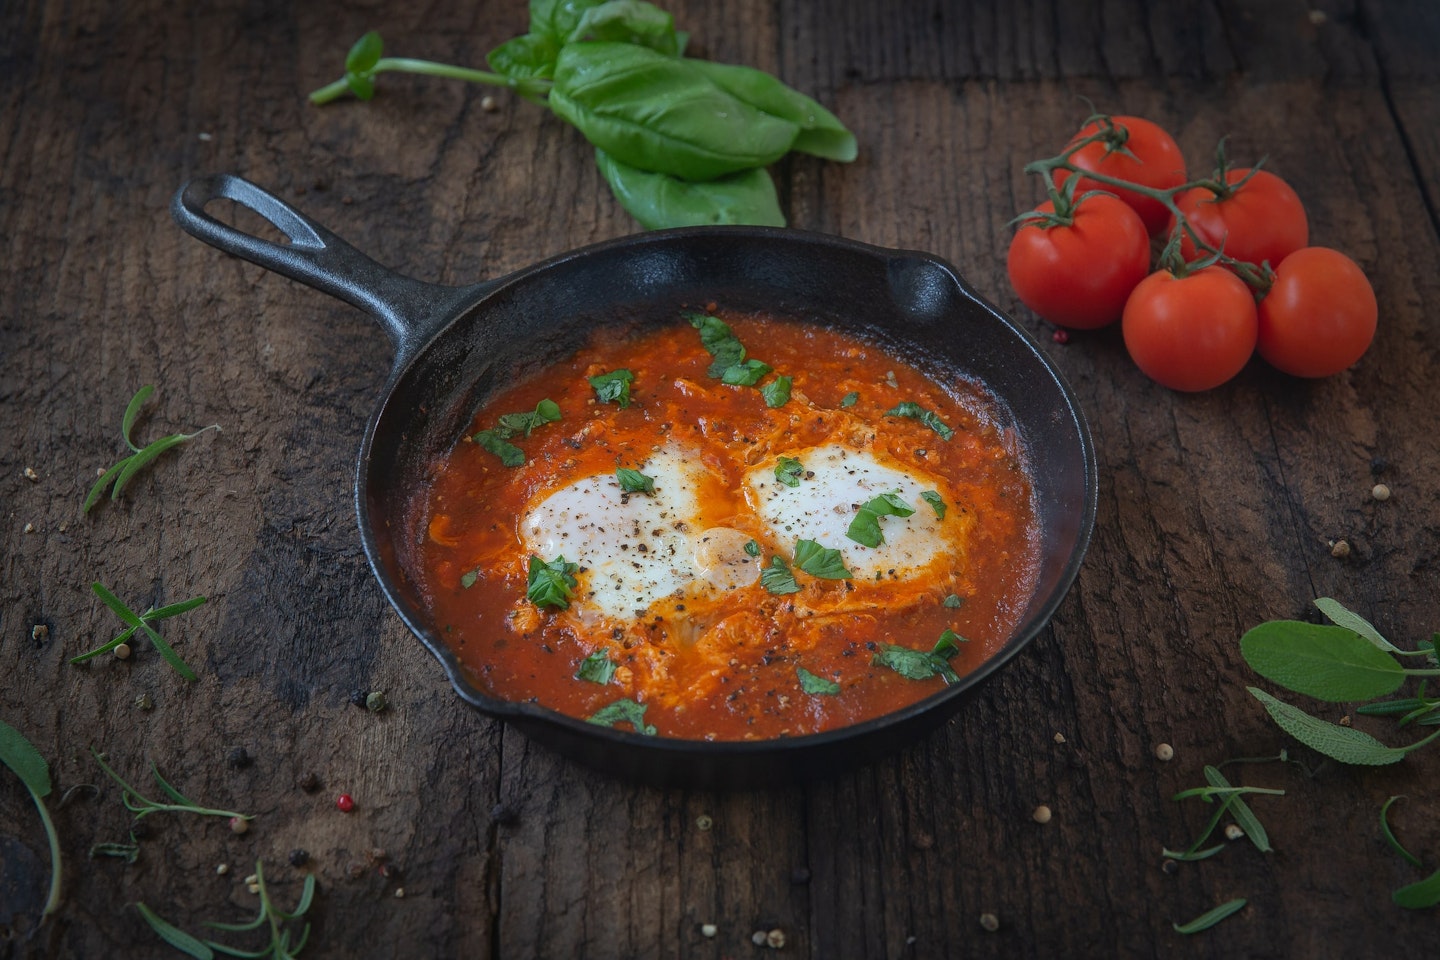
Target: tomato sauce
x: 734, y: 660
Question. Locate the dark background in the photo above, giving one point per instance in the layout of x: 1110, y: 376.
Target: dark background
x: 1216, y: 511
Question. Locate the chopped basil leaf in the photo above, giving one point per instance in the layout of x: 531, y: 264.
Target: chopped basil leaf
x: 776, y: 392
x: 752, y: 548
x: 623, y: 711
x: 717, y: 338
x: 597, y: 668
x: 953, y: 601
x: 614, y: 385
x: 810, y: 683
x: 820, y: 561
x: 789, y: 471
x: 550, y: 584
x: 865, y: 528
x: 633, y: 481
x: 546, y: 411
x: 916, y: 412
x: 495, y: 442
x: 932, y: 497
x: 849, y: 399
x: 921, y: 664
x: 468, y: 578
x: 745, y: 374
x: 777, y: 578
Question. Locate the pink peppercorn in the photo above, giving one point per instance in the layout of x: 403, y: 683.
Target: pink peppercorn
x: 345, y: 803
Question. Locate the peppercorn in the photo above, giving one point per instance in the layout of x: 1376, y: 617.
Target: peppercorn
x: 299, y: 857
x: 1163, y: 751
x: 375, y: 701
x: 239, y: 758
x: 239, y: 825
x: 1042, y: 814
x: 357, y: 697
x: 122, y: 652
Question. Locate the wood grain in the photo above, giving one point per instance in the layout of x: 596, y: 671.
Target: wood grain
x: 1216, y: 511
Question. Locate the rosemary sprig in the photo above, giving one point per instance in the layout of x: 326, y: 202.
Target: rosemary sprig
x: 119, y: 476
x: 279, y: 948
x: 142, y: 806
x: 142, y: 622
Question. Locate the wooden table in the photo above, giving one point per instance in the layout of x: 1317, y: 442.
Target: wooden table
x: 1216, y: 511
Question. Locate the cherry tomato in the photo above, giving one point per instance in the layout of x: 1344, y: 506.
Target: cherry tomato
x: 1080, y: 275
x: 1263, y: 221
x: 1157, y: 163
x: 1319, y: 317
x: 1191, y: 332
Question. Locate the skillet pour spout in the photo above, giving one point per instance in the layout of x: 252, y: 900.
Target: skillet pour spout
x: 455, y: 346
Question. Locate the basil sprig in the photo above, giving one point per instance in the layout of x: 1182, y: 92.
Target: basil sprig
x: 680, y: 141
x: 497, y: 439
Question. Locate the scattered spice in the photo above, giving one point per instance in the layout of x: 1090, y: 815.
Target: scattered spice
x: 238, y: 758
x: 1059, y: 737
x: 358, y: 697
x: 344, y: 803
x: 239, y: 825
x: 122, y: 652
x: 221, y: 869
x: 708, y: 930
x: 144, y: 702
x: 399, y: 893
x: 1042, y: 814
x: 487, y: 103
x: 1339, y: 549
x: 1061, y: 336
x: 1163, y: 751
x: 1233, y: 832
x: 703, y: 822
x: 989, y: 922
x: 355, y: 869
x: 29, y: 528
x: 31, y: 475
x: 1380, y: 492
x: 375, y: 701
x: 39, y: 633
x: 775, y: 939
x: 758, y: 938
x: 299, y: 857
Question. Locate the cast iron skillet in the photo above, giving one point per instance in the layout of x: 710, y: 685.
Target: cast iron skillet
x: 455, y: 345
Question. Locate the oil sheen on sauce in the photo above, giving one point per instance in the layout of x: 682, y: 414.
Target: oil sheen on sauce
x: 728, y: 601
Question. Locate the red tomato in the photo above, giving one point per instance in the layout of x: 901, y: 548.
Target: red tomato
x: 1157, y: 163
x: 1320, y: 315
x: 1261, y: 222
x: 1192, y: 332
x: 1080, y: 275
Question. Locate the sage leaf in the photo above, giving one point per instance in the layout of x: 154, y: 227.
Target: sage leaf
x: 1337, y: 614
x: 659, y: 200
x: 662, y: 114
x: 1345, y: 744
x: 1322, y: 661
x: 1419, y: 896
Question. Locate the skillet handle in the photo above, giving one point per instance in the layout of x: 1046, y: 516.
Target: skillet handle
x: 318, y: 258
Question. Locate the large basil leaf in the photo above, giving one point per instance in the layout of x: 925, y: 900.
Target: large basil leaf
x: 658, y: 200
x: 661, y: 114
x: 630, y: 21
x: 821, y: 132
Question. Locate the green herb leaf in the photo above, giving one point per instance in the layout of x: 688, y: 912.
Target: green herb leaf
x: 468, y: 578
x: 658, y: 200
x: 752, y: 548
x: 1345, y: 744
x: 1189, y: 856
x: 173, y: 935
x: 914, y: 411
x: 20, y: 755
x: 1327, y: 662
x: 118, y: 477
x: 1337, y: 614
x: 933, y: 498
x: 1207, y: 920
x: 365, y: 53
x: 849, y: 399
x: 623, y: 711
x: 661, y: 113
x: 820, y: 561
x: 630, y: 21
x: 633, y: 481
x: 1240, y: 810
x: 129, y: 852
x: 494, y: 441
x: 597, y: 668
x: 920, y: 664
x: 953, y: 601
x: 777, y: 392
x: 1390, y: 836
x: 719, y: 340
x: 789, y: 471
x: 613, y: 386
x: 747, y: 373
x: 777, y: 578
x: 816, y: 685
x: 525, y: 57
x: 136, y: 622
x: 1419, y: 896
x: 546, y: 411
x: 821, y: 133
x: 864, y: 529
x: 132, y: 412
x: 550, y: 584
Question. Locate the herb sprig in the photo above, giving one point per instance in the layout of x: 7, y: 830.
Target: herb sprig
x: 269, y: 916
x: 145, y: 623
x: 921, y: 664
x: 913, y: 411
x: 142, y: 806
x: 20, y: 755
x: 119, y: 476
x: 496, y: 439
